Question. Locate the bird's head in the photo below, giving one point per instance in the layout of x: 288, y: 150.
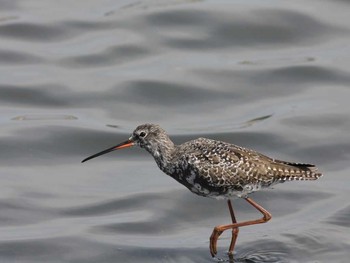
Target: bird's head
x: 148, y: 136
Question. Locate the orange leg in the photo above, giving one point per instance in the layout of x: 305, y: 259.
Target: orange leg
x: 218, y: 230
x: 234, y: 230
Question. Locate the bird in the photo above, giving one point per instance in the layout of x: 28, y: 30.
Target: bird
x: 217, y: 169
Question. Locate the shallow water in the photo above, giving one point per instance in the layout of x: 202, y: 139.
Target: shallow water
x: 79, y: 76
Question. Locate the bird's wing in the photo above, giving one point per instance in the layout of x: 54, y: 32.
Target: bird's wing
x: 223, y: 164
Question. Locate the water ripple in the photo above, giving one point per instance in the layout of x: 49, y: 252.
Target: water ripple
x: 33, y: 32
x: 71, y: 70
x: 268, y: 251
x: 225, y: 30
x: 341, y: 218
x: 110, y: 56
x: 8, y: 57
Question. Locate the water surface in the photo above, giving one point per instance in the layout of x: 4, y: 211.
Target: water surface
x: 78, y: 77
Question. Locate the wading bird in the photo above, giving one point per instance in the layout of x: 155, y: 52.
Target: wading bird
x: 217, y: 169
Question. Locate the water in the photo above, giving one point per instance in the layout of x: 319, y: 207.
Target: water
x: 78, y: 76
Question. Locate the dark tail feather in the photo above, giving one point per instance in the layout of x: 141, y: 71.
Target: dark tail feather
x: 300, y: 171
x: 295, y: 164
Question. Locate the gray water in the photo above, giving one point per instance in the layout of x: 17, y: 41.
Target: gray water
x: 77, y: 77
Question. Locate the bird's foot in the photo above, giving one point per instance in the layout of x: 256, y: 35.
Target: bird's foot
x: 214, y: 239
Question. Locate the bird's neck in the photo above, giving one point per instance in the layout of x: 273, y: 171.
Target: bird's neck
x: 163, y: 153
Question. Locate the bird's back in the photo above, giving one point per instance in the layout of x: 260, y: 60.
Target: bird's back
x: 214, y: 168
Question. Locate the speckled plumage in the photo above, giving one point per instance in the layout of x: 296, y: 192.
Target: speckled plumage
x: 218, y: 169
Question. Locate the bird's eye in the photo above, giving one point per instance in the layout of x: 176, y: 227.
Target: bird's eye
x: 142, y: 134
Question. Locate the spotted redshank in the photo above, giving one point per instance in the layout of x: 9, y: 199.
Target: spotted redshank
x: 217, y: 169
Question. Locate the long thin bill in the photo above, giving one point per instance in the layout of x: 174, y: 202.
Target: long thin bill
x: 122, y: 145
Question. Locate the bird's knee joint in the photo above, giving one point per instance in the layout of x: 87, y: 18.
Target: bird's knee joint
x: 235, y: 230
x: 267, y: 217
x: 217, y: 229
